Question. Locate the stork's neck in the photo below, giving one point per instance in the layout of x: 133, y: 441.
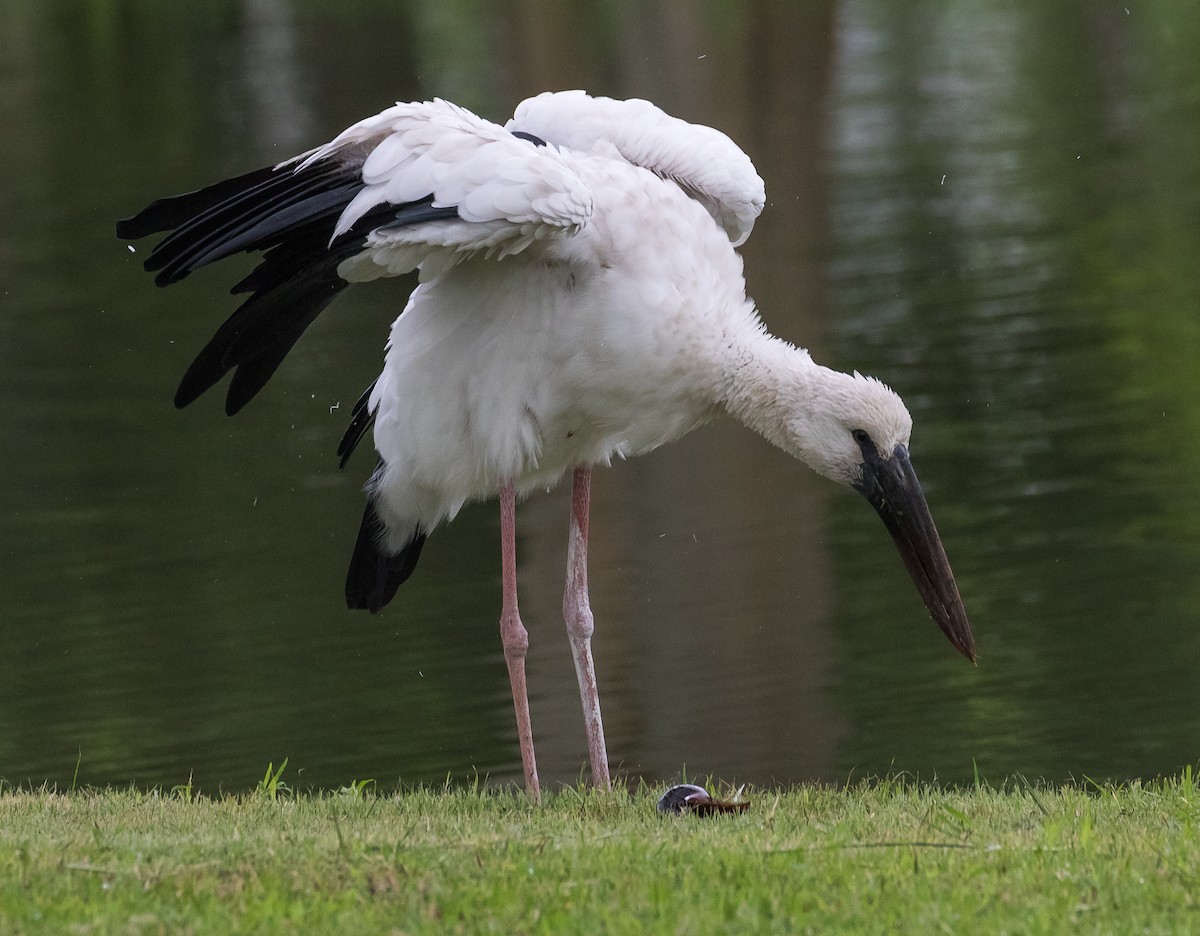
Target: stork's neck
x: 765, y: 378
x: 777, y: 390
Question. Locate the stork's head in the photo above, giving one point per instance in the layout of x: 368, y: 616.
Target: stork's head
x: 855, y: 430
x: 836, y: 414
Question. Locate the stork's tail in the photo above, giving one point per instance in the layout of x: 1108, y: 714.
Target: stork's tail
x: 375, y: 573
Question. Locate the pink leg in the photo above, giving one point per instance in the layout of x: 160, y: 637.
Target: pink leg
x: 577, y: 612
x: 514, y: 636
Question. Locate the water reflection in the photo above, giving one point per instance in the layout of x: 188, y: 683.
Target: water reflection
x: 998, y: 277
x: 994, y: 209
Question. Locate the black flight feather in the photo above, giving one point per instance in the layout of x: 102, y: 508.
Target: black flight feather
x: 288, y: 213
x: 362, y: 417
x: 375, y: 574
x: 529, y: 137
x: 167, y: 214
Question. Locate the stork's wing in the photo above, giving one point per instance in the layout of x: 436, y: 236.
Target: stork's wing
x: 704, y: 162
x: 416, y: 186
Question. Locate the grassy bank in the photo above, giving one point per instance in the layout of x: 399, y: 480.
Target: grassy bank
x: 883, y: 856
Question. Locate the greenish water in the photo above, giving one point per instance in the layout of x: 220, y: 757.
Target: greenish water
x: 995, y: 208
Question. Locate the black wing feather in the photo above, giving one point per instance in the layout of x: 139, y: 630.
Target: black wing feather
x: 286, y: 213
x: 289, y: 213
x: 167, y: 214
x: 266, y: 206
x: 375, y: 574
x: 362, y: 417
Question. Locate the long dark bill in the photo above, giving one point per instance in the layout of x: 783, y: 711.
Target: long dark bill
x: 891, y: 485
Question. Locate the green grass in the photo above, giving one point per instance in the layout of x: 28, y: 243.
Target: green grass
x: 886, y: 856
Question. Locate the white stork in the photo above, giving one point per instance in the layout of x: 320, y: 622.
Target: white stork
x: 580, y: 298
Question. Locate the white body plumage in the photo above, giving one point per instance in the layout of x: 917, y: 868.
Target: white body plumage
x: 586, y: 305
x: 521, y: 368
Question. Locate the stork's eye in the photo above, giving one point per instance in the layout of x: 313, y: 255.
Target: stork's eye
x: 860, y: 436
